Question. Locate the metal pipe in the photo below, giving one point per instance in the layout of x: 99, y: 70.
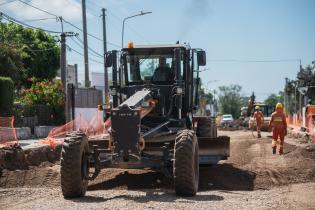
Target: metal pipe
x: 114, y: 68
x: 177, y: 53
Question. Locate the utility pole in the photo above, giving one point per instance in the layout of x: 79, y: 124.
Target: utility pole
x: 63, y: 60
x: 85, y: 42
x: 63, y: 68
x: 105, y: 68
x: 286, y: 99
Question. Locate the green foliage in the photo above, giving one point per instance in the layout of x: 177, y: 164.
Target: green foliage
x: 250, y: 104
x: 306, y: 76
x: 44, y: 93
x: 11, y: 64
x: 49, y: 93
x: 208, y: 97
x: 230, y: 100
x: 273, y: 99
x: 7, y: 95
x: 37, y: 51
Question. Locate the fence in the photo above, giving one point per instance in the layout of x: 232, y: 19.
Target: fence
x: 304, y: 123
x: 95, y: 126
x: 8, y: 135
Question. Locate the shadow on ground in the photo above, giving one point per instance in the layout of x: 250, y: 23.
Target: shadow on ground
x: 150, y: 196
x: 157, y: 187
x: 226, y: 177
x: 217, y: 177
x: 130, y: 181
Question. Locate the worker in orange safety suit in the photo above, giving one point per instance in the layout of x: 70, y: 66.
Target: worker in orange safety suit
x: 259, y: 117
x: 278, y: 125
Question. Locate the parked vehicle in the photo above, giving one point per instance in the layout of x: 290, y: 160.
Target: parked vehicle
x: 227, y: 120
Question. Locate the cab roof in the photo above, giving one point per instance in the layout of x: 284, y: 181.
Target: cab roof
x: 155, y: 49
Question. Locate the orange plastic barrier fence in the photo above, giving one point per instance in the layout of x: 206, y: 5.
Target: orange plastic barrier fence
x: 94, y: 127
x: 296, y: 123
x: 8, y: 135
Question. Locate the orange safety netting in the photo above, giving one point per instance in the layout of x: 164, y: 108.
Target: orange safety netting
x: 297, y: 123
x: 96, y: 126
x: 8, y: 135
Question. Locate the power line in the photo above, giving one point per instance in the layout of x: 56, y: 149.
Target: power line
x: 96, y: 53
x: 7, y: 2
x: 71, y: 2
x: 39, y: 19
x: 11, y: 19
x: 38, y: 8
x: 71, y: 49
x: 254, y: 61
x: 93, y: 12
x: 93, y: 3
x: 97, y: 61
x: 91, y: 35
x: 71, y: 24
x: 81, y: 46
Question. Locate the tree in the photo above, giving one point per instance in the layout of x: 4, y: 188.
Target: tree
x: 273, y: 99
x: 208, y: 97
x: 7, y: 95
x: 38, y: 50
x: 306, y: 76
x: 230, y: 100
x: 11, y: 64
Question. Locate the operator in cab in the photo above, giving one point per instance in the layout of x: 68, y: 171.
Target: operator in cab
x: 163, y: 72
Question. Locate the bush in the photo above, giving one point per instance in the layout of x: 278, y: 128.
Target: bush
x: 6, y: 95
x: 47, y: 93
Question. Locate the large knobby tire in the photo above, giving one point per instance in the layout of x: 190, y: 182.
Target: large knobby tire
x: 186, y: 163
x: 74, y: 165
x: 206, y: 127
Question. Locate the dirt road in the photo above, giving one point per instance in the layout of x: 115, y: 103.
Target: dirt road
x: 253, y: 178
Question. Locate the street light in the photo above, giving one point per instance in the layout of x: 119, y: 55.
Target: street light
x: 212, y: 81
x: 126, y: 18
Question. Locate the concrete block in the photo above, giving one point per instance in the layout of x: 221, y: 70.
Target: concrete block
x: 42, y: 131
x: 23, y: 133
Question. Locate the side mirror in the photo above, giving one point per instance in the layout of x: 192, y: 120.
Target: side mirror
x: 201, y: 58
x: 108, y: 59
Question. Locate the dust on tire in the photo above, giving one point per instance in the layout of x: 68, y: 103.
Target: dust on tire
x: 73, y: 182
x: 186, y: 163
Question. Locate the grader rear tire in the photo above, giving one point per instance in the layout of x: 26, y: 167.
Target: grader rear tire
x: 74, y: 166
x: 186, y: 163
x: 206, y: 128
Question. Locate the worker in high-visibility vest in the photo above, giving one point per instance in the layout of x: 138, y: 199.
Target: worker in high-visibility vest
x: 278, y: 124
x: 259, y: 118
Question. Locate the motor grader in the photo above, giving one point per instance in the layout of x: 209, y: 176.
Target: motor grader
x: 152, y: 121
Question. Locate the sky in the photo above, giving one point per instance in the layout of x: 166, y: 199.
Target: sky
x: 241, y: 30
